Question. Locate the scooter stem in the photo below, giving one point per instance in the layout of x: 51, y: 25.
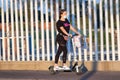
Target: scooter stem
x: 74, y: 65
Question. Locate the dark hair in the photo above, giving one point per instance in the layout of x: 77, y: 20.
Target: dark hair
x: 61, y: 12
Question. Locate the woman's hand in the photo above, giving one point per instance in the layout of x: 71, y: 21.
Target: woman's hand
x: 80, y: 35
x: 66, y: 37
x: 69, y: 35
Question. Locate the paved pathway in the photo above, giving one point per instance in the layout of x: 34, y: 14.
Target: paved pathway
x: 45, y: 75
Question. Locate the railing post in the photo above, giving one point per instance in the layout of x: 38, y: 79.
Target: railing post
x: 42, y: 30
x: 32, y: 30
x: 107, y: 29
x: 22, y: 33
x: 3, y: 32
x: 62, y: 3
x: 17, y: 30
x: 12, y: 27
x: 90, y: 30
x: 78, y: 25
x: 27, y: 33
x: 37, y: 31
x: 52, y: 30
x: 68, y: 16
x: 101, y: 30
x: 95, y: 30
x: 118, y: 27
x: 112, y: 30
x: 47, y: 30
x: 84, y: 26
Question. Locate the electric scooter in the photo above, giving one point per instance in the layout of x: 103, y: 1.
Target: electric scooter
x: 73, y: 68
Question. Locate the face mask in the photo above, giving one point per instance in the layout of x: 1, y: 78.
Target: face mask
x: 65, y: 16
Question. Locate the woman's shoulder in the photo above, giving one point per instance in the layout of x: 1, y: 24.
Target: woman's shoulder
x: 58, y: 22
x: 67, y: 19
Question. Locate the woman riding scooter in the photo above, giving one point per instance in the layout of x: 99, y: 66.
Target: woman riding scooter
x: 63, y: 28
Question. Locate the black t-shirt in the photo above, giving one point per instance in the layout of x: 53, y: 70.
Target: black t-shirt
x: 65, y: 24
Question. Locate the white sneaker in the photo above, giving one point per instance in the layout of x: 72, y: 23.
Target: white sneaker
x: 57, y: 68
x: 66, y: 68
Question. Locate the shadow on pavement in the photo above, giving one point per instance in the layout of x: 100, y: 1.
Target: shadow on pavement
x: 91, y: 73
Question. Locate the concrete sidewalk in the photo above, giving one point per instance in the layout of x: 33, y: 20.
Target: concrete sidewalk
x: 45, y: 75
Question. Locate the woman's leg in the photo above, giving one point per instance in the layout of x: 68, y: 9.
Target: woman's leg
x: 62, y: 47
x: 64, y: 54
x: 58, y: 54
x: 65, y: 58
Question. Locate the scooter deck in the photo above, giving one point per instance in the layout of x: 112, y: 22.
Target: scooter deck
x: 51, y: 68
x: 64, y: 70
x: 67, y: 70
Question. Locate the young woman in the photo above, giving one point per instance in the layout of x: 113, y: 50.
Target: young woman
x: 63, y: 27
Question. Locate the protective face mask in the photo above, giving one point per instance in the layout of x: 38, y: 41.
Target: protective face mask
x: 65, y: 16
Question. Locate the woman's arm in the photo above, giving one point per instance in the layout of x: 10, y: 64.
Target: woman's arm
x: 74, y: 30
x: 64, y: 31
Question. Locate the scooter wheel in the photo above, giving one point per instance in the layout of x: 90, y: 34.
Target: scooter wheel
x: 51, y: 69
